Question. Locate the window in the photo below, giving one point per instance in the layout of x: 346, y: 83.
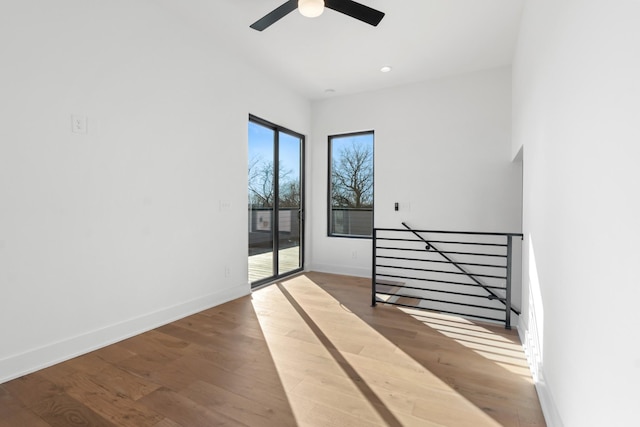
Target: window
x: 351, y: 184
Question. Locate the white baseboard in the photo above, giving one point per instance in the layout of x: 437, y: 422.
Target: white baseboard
x: 549, y: 409
x: 341, y: 269
x: 38, y: 358
x: 547, y: 403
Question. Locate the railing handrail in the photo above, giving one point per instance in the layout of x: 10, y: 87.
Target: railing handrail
x: 480, y: 233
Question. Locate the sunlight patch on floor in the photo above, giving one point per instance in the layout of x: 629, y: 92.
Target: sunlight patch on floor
x: 328, y: 357
x: 505, y: 352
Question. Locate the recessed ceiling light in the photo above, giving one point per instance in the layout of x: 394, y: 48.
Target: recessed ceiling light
x: 385, y: 69
x: 329, y: 91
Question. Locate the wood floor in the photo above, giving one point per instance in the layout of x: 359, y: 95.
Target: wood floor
x: 307, y: 351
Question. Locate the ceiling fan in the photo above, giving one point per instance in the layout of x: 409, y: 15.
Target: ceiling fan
x: 313, y: 8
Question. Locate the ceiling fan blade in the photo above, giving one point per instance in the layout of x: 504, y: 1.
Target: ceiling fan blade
x: 275, y: 15
x: 356, y: 10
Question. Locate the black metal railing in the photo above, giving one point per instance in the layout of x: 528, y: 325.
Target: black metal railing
x: 453, y: 272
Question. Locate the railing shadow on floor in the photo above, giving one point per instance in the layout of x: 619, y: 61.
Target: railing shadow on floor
x: 346, y: 367
x: 483, y: 363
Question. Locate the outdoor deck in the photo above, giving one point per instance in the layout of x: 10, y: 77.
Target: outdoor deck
x: 261, y: 265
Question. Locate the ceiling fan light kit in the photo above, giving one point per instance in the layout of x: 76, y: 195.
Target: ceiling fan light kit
x: 311, y: 8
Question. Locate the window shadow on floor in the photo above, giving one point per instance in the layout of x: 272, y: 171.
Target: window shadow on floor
x: 483, y: 363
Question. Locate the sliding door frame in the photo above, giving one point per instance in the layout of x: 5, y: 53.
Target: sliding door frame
x: 276, y: 205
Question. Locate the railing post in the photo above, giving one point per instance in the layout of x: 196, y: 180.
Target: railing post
x: 374, y: 243
x: 507, y: 320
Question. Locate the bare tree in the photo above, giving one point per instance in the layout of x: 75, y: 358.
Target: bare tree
x: 289, y: 193
x: 352, y: 176
x: 261, y: 183
x: 254, y: 167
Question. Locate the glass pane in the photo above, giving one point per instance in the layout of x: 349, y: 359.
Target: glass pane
x: 261, y: 201
x: 351, y: 210
x: 290, y: 196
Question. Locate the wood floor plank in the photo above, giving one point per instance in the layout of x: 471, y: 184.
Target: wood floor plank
x: 184, y: 411
x: 122, y: 383
x: 62, y: 410
x: 118, y: 409
x: 32, y: 389
x: 114, y: 353
x: 9, y: 405
x: 143, y: 367
x: 325, y: 415
x: 59, y: 374
x: 91, y: 362
x: 349, y: 401
x: 255, y: 388
x: 155, y: 346
x: 247, y: 411
x: 450, y: 411
x: 24, y: 418
x: 168, y: 423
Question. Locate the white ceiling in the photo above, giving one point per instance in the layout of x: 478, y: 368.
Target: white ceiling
x: 420, y: 39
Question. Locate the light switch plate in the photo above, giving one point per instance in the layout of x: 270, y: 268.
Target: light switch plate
x: 225, y: 205
x: 78, y: 124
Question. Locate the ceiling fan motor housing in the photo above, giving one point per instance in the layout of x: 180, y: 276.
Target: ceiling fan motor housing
x: 311, y: 8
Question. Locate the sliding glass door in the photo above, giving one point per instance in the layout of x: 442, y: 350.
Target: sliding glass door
x: 275, y: 183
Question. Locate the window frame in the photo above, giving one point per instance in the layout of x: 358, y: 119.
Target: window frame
x: 330, y: 183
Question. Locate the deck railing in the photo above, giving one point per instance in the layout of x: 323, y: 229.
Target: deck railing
x: 461, y: 273
x: 351, y: 221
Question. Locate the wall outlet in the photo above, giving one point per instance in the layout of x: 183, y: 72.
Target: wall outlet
x: 227, y: 271
x: 354, y: 254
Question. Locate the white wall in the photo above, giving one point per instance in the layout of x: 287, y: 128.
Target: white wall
x: 442, y: 150
x: 106, y: 234
x: 577, y: 115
